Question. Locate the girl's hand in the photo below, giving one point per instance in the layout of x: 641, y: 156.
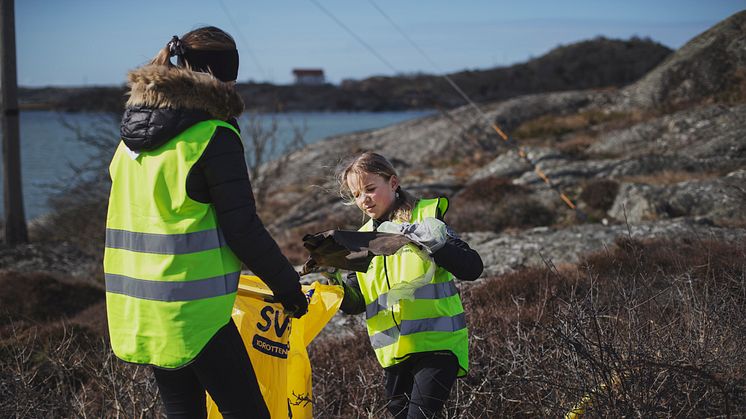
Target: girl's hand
x: 333, y: 276
x: 430, y: 233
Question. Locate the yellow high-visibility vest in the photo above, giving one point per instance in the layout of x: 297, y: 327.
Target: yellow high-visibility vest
x: 170, y: 278
x: 432, y: 321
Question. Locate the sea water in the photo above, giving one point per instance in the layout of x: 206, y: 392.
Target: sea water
x: 56, y: 147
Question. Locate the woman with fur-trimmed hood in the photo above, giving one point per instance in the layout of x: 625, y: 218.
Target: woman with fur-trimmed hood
x: 180, y: 222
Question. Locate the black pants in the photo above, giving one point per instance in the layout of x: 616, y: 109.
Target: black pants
x: 223, y: 369
x: 419, y: 386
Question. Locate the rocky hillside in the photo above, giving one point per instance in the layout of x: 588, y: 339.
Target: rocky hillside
x: 711, y: 67
x: 640, y: 291
x: 664, y: 156
x: 595, y: 63
x: 589, y: 64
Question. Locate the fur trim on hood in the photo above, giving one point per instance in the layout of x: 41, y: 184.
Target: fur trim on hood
x: 160, y: 86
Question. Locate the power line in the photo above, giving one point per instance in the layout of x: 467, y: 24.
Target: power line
x: 509, y: 140
x: 432, y: 63
x: 244, y: 42
x: 354, y: 35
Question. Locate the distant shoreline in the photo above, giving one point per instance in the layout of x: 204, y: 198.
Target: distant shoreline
x: 592, y: 64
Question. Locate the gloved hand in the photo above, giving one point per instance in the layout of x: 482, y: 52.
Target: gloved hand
x: 333, y: 276
x: 430, y: 233
x: 294, y: 302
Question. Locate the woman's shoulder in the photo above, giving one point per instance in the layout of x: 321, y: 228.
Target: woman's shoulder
x: 224, y: 140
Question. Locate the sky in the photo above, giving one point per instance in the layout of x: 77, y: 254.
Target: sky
x: 96, y: 42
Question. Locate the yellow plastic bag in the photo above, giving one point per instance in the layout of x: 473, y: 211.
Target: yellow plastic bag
x: 277, y: 344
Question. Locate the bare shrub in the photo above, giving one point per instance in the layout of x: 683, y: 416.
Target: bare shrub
x: 522, y: 212
x: 646, y: 328
x: 490, y: 189
x: 40, y: 297
x: 347, y: 379
x: 268, y: 155
x: 471, y: 217
x: 78, y: 205
x: 41, y: 369
x: 493, y: 204
x: 55, y: 359
x: 668, y: 177
x: 600, y: 194
x: 63, y: 370
x: 651, y: 328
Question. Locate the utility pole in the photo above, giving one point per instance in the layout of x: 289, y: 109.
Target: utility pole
x: 15, y: 220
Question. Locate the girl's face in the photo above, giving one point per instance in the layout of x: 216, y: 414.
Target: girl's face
x: 374, y: 195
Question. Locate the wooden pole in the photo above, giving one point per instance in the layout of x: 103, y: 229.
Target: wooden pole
x: 15, y: 220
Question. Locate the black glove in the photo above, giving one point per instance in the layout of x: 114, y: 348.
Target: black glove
x: 294, y: 302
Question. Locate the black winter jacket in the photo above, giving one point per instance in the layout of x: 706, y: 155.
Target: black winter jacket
x: 220, y: 176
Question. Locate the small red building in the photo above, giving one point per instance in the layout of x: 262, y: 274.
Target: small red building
x: 309, y: 76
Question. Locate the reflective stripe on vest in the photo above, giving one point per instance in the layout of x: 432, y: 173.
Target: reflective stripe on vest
x: 408, y: 327
x: 433, y: 320
x: 167, y: 244
x: 171, y: 279
x: 172, y: 290
x: 425, y: 292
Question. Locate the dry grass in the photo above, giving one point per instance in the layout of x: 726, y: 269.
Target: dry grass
x: 553, y: 127
x: 462, y: 165
x: 644, y: 329
x: 576, y: 144
x: 736, y: 91
x: 573, y: 134
x: 42, y: 297
x: 668, y: 177
x: 55, y: 359
x: 494, y: 204
x: 600, y: 194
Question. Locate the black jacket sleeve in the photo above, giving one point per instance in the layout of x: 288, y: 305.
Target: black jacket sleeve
x: 455, y: 256
x: 220, y: 177
x: 459, y: 259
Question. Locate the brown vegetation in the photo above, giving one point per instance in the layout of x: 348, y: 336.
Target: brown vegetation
x: 42, y: 297
x: 78, y: 215
x: 644, y: 329
x: 736, y: 92
x: 668, y: 177
x: 600, y: 194
x: 55, y: 359
x: 575, y: 132
x: 493, y: 204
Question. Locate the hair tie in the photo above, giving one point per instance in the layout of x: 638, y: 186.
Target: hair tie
x: 175, y: 47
